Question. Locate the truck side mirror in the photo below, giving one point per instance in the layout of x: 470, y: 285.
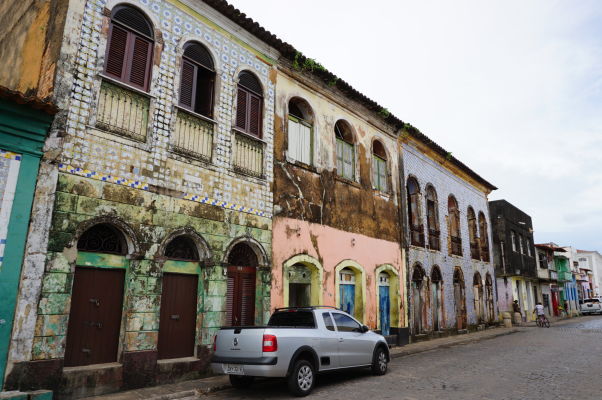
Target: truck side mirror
x: 365, y: 329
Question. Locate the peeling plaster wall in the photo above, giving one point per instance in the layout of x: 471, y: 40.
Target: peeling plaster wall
x: 292, y: 237
x: 426, y: 170
x: 90, y: 173
x: 31, y: 34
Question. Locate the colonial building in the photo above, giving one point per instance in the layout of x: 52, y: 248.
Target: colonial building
x: 590, y: 264
x: 451, y: 277
x: 336, y: 230
x: 547, y: 278
x: 153, y: 225
x: 514, y: 258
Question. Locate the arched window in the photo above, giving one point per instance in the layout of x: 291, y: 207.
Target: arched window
x: 182, y: 248
x: 472, y: 234
x: 454, y: 226
x: 345, y: 150
x: 102, y: 238
x: 130, y: 48
x: 414, y: 213
x: 379, y: 166
x: 197, y: 79
x: 483, y: 237
x: 300, y: 138
x: 249, y: 106
x: 432, y: 218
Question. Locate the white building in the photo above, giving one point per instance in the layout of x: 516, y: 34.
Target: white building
x: 592, y: 260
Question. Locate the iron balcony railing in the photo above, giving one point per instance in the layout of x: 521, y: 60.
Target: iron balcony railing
x: 122, y: 111
x: 456, y: 245
x: 434, y: 242
x: 248, y: 154
x: 485, y: 253
x: 417, y: 235
x: 192, y: 136
x: 474, y: 251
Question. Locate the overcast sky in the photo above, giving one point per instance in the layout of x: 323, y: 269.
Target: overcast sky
x: 511, y: 88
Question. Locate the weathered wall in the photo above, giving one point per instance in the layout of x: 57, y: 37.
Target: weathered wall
x: 315, y: 193
x: 430, y: 169
x: 91, y: 174
x: 31, y: 33
x: 329, y: 248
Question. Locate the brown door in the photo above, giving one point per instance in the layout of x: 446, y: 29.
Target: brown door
x: 240, y: 300
x: 95, y: 317
x: 177, y: 325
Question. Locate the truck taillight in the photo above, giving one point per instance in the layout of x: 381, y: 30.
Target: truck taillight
x: 214, y: 343
x: 270, y: 343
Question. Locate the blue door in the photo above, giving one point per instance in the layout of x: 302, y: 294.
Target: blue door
x: 347, y: 296
x: 385, y: 308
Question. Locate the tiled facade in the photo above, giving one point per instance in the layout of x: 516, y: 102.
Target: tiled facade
x: 428, y: 170
x: 148, y: 192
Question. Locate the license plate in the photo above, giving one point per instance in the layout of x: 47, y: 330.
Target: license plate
x: 233, y: 369
x: 590, y: 305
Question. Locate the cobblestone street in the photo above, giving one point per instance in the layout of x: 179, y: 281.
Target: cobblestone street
x: 556, y: 363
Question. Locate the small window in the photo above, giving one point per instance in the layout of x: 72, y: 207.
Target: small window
x: 513, y: 240
x: 328, y: 321
x: 102, y: 238
x: 379, y: 166
x: 521, y: 244
x: 249, y: 105
x: 454, y: 226
x: 197, y: 79
x: 345, y: 150
x: 300, y: 138
x: 346, y: 323
x: 130, y: 47
x: 182, y: 248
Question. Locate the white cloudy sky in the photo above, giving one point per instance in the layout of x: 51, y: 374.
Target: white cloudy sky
x: 512, y: 88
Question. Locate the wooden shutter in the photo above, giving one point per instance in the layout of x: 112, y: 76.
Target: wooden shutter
x: 139, y: 64
x: 248, y: 299
x: 203, y: 103
x: 340, y: 157
x: 293, y: 139
x: 255, y: 116
x: 348, y: 161
x: 116, y: 52
x: 187, y: 85
x: 241, y: 109
x: 305, y: 143
x: 230, y: 293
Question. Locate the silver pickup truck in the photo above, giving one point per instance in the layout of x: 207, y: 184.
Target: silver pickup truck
x: 297, y: 344
x: 591, y: 306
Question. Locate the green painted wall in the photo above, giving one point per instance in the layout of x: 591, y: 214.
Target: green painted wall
x: 22, y: 131
x: 152, y: 217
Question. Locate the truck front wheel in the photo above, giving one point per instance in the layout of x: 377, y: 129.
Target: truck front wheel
x: 302, y: 378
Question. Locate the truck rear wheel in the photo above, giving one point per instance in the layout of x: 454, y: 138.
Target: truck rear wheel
x: 241, y: 382
x: 302, y: 379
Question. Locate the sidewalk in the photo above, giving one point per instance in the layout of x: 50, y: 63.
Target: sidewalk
x: 190, y: 389
x: 553, y: 320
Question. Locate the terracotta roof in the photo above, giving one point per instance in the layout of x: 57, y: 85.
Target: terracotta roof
x: 296, y: 57
x: 31, y: 101
x: 550, y: 246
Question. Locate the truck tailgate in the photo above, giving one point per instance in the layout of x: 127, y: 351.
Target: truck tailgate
x: 239, y: 342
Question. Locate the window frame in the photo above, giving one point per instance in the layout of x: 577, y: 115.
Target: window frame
x: 194, y: 89
x: 128, y: 54
x: 250, y: 95
x: 380, y: 173
x: 300, y: 121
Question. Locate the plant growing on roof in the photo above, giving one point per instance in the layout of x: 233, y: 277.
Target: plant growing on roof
x: 333, y: 82
x: 448, y: 156
x: 384, y: 112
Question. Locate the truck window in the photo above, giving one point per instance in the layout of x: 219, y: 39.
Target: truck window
x: 293, y: 318
x: 345, y: 323
x: 328, y: 321
x: 596, y: 301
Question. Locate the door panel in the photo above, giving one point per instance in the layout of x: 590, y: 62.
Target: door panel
x: 347, y: 296
x: 240, y: 298
x: 385, y: 307
x: 95, y: 316
x: 355, y: 348
x: 178, y: 316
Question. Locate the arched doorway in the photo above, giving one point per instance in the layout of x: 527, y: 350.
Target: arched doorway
x: 299, y: 286
x: 459, y: 299
x: 489, y: 299
x: 350, y: 288
x: 240, y: 298
x: 384, y: 303
x: 437, y: 293
x: 477, y: 288
x: 97, y: 297
x: 179, y: 294
x: 418, y: 300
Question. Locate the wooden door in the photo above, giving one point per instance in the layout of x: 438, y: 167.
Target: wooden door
x: 417, y: 305
x: 240, y: 299
x: 460, y: 304
x: 436, y: 305
x: 95, y: 316
x: 177, y: 324
x: 347, y: 298
x: 385, y: 309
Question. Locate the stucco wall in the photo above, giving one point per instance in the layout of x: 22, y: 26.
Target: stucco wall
x: 330, y: 247
x: 426, y: 170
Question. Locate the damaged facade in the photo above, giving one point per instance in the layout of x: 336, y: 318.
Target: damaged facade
x: 336, y: 231
x: 451, y: 277
x: 153, y: 214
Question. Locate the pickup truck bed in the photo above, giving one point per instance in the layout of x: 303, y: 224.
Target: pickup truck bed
x: 591, y: 306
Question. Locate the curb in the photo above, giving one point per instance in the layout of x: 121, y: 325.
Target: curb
x: 407, y: 352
